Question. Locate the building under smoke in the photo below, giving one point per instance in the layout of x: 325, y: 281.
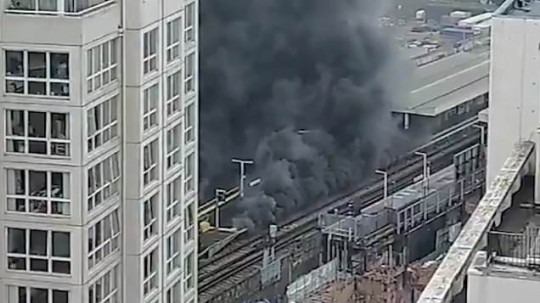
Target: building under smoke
x: 270, y: 68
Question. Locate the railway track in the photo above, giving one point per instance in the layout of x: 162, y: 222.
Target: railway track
x: 247, y: 251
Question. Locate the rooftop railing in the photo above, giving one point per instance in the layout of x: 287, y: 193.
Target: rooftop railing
x: 518, y: 249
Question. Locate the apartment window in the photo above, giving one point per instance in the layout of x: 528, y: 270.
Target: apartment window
x: 189, y: 30
x: 23, y: 294
x: 39, y: 250
x: 189, y: 168
x: 189, y: 266
x: 38, y: 192
x: 103, y: 239
x: 150, y: 107
x: 189, y: 132
x: 37, y: 73
x: 103, y: 179
x: 150, y: 165
x: 173, y: 93
x: 174, y: 196
x: 102, y: 123
x: 41, y: 133
x: 150, y: 218
x: 150, y: 41
x: 189, y: 72
x: 105, y: 288
x: 172, y: 260
x: 101, y: 65
x: 173, y: 293
x: 189, y: 222
x: 173, y: 39
x: 150, y: 272
x: 174, y: 145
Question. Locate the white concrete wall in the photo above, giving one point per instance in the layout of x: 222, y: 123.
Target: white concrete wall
x: 491, y: 288
x: 514, y: 87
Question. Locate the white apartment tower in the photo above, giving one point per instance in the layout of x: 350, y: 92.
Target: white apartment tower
x: 98, y: 161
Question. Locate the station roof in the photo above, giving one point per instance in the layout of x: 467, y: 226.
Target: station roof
x: 446, y: 83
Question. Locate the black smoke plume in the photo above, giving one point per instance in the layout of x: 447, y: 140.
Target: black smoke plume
x: 302, y: 87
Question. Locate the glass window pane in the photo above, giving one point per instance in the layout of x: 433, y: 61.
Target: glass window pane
x: 61, y: 244
x: 38, y: 242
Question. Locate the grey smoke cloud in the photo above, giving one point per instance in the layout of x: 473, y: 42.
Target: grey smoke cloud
x: 272, y: 67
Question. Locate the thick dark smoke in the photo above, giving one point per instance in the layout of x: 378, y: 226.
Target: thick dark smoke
x: 272, y: 68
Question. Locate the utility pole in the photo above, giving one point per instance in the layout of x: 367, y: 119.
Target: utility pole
x: 385, y: 186
x: 425, y: 171
x: 242, y: 164
x: 221, y: 197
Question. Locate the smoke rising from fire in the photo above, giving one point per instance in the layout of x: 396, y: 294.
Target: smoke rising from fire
x: 302, y: 87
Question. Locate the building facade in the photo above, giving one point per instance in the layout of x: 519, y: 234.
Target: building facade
x: 515, y: 75
x: 99, y: 107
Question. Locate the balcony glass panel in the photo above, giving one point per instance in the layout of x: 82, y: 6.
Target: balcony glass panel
x: 48, y: 6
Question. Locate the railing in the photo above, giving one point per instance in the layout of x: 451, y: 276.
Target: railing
x: 439, y: 201
x: 56, y: 7
x: 356, y: 228
x: 519, y: 249
x: 406, y: 218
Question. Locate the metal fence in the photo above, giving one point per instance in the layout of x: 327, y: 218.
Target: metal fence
x: 307, y: 284
x: 520, y: 249
x: 355, y: 228
x: 406, y: 218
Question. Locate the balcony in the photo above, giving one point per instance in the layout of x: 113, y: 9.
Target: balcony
x: 55, y: 7
x: 59, y: 22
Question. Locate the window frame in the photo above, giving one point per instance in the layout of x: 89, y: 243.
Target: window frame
x: 189, y: 123
x: 150, y: 107
x: 173, y: 102
x: 150, y: 172
x: 173, y: 294
x: 27, y: 256
x: 173, y: 152
x: 111, y: 277
x: 150, y: 218
x: 189, y: 279
x: 189, y: 23
x: 189, y: 222
x: 173, y: 251
x: 49, y: 198
x: 150, y: 53
x: 189, y: 172
x: 173, y: 44
x: 107, y: 72
x: 48, y: 79
x: 150, y: 265
x: 108, y: 245
x: 99, y: 135
x: 173, y: 209
x: 96, y: 174
x: 62, y: 144
x: 28, y: 292
x: 189, y: 73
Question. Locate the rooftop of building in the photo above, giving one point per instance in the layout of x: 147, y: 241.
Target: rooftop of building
x: 447, y: 82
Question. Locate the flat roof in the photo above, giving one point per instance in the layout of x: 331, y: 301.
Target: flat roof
x: 446, y: 83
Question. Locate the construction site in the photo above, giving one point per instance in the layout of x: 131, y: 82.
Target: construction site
x: 381, y: 284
